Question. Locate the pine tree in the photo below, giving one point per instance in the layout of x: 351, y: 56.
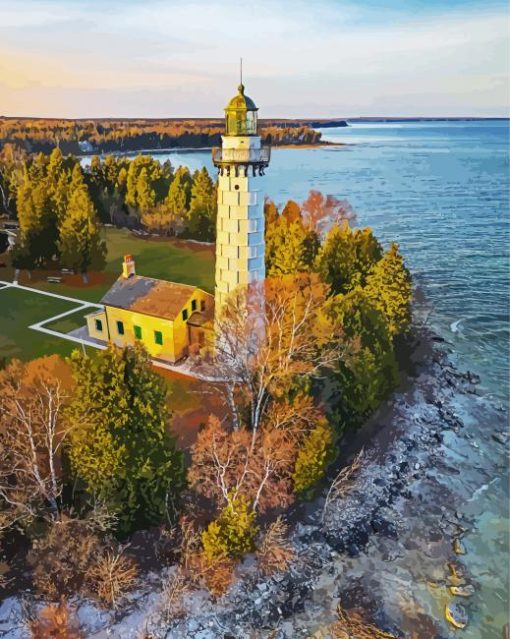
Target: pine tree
x: 202, y: 214
x: 233, y: 533
x: 120, y: 446
x: 389, y: 288
x: 179, y: 194
x: 290, y: 248
x: 316, y: 453
x: 346, y: 257
x: 80, y: 245
x: 370, y: 373
x: 145, y: 194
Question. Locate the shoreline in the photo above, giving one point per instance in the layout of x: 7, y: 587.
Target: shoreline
x: 391, y: 534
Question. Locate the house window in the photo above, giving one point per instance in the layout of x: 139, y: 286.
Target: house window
x: 120, y: 327
x: 202, y: 306
x: 185, y: 314
x: 193, y: 305
x: 158, y: 337
x: 138, y: 332
x: 99, y: 326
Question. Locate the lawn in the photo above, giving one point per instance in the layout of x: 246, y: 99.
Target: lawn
x: 20, y: 309
x: 168, y: 259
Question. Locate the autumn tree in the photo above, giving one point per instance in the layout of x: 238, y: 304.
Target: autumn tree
x: 80, y: 244
x: 32, y: 436
x: 346, y: 257
x: 202, y: 213
x: 321, y: 212
x: 389, y: 288
x: 177, y: 202
x: 120, y: 447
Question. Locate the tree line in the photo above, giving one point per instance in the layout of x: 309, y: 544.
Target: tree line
x: 61, y: 206
x: 86, y: 458
x: 105, y: 136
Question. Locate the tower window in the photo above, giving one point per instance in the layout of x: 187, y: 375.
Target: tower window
x: 99, y: 326
x: 158, y: 337
x: 236, y: 187
x: 120, y: 328
x: 138, y: 332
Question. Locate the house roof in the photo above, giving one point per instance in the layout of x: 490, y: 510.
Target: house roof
x: 149, y: 296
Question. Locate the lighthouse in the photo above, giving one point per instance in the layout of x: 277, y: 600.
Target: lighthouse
x: 241, y: 161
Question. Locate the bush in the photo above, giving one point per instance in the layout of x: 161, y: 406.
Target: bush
x: 314, y: 456
x: 275, y: 551
x: 232, y: 534
x: 111, y: 576
x: 55, y: 620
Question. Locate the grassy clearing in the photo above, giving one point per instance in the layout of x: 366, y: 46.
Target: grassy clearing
x: 167, y: 259
x: 20, y: 309
x: 70, y: 322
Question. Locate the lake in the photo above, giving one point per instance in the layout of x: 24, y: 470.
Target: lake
x: 441, y: 189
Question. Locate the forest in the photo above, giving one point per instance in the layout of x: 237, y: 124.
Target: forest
x: 105, y: 136
x: 88, y: 457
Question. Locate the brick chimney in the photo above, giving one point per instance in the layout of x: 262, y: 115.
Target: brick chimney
x: 128, y: 267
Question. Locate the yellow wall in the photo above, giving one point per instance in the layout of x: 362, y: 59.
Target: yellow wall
x: 175, y: 333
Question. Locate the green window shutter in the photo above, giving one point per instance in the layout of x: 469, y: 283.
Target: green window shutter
x: 158, y: 337
x: 193, y: 305
x: 185, y: 314
x: 138, y: 332
x: 120, y: 328
x: 99, y: 326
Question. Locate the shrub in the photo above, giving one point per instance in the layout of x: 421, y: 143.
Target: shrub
x: 55, y: 621
x: 314, y: 456
x: 275, y: 551
x: 111, y: 576
x: 232, y: 534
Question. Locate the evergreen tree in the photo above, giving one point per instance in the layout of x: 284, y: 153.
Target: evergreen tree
x: 233, y: 533
x: 370, y: 373
x: 290, y: 248
x: 346, y: 257
x: 315, y: 454
x: 80, y: 245
x: 389, y: 288
x: 271, y: 214
x: 292, y: 211
x: 202, y: 214
x: 145, y: 194
x: 119, y: 445
x: 178, y: 199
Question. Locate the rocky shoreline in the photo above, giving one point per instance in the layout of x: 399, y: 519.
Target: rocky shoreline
x: 389, y: 546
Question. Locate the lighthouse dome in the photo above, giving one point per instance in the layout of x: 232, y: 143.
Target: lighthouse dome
x: 241, y: 115
x: 241, y: 102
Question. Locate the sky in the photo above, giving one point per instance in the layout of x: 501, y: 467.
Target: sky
x: 314, y: 58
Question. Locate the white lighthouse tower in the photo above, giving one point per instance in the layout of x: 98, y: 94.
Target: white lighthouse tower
x: 241, y: 159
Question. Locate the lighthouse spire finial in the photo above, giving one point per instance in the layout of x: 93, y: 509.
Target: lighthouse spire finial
x: 241, y: 85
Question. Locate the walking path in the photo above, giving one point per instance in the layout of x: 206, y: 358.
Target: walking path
x: 183, y: 369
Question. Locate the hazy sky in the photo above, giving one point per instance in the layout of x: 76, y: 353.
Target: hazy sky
x: 164, y: 58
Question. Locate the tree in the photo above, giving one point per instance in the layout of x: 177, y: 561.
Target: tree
x: 233, y: 533
x: 179, y: 194
x: 120, y: 447
x: 315, y: 454
x: 346, y: 257
x: 202, y: 214
x: 370, y: 374
x: 32, y: 436
x: 290, y: 248
x: 270, y: 213
x: 80, y: 244
x: 389, y: 288
x: 321, y: 213
x: 292, y: 212
x: 145, y: 194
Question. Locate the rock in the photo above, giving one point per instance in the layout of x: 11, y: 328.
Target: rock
x: 501, y: 437
x: 458, y: 547
x: 463, y: 591
x: 456, y: 615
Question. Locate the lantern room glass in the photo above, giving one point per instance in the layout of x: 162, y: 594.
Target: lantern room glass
x: 241, y: 122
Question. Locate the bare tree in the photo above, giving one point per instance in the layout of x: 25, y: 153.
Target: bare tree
x: 31, y: 439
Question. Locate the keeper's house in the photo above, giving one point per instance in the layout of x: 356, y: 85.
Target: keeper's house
x: 172, y: 320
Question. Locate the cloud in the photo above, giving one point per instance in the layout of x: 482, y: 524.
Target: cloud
x: 168, y: 58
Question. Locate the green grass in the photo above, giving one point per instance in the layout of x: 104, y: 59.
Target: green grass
x: 20, y: 309
x: 163, y: 259
x: 70, y: 322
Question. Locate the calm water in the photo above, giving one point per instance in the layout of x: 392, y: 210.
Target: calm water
x: 442, y: 191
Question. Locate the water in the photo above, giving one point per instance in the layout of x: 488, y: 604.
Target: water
x: 441, y: 189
